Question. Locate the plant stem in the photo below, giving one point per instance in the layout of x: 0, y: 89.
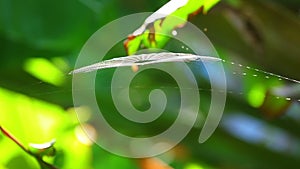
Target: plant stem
x: 11, y: 137
x: 14, y: 139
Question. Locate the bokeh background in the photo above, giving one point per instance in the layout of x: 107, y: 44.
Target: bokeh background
x: 40, y: 41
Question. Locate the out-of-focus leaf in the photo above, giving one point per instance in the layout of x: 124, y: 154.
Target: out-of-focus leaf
x: 155, y: 31
x: 45, y: 24
x: 29, y: 119
x: 20, y: 161
x: 45, y: 70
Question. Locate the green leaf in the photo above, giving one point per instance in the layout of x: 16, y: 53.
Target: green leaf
x: 155, y: 31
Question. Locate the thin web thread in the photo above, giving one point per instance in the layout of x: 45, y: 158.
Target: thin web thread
x: 267, y: 75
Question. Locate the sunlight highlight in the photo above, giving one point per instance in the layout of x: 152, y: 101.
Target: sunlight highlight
x: 85, y: 134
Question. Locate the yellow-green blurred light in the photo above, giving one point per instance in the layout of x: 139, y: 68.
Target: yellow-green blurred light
x: 256, y: 95
x: 44, y: 70
x: 193, y: 166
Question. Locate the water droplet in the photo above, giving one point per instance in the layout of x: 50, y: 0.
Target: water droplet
x: 174, y: 32
x: 268, y: 75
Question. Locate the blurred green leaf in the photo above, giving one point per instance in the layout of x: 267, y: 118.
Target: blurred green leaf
x: 45, y: 70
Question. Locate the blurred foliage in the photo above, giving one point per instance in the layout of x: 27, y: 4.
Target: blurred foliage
x: 39, y: 43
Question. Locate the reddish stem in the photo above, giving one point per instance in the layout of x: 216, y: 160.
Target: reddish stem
x: 10, y: 136
x: 14, y: 139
